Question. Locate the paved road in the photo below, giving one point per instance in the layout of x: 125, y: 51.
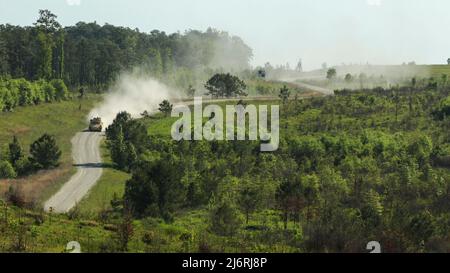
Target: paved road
x: 86, y: 155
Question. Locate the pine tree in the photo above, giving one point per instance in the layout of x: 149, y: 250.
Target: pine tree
x: 7, y: 170
x: 225, y: 219
x: 45, y: 153
x: 165, y: 107
x: 15, y: 151
x: 284, y: 94
x: 119, y: 149
x: 131, y: 155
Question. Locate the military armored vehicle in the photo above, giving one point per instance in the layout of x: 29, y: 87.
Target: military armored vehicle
x: 96, y: 125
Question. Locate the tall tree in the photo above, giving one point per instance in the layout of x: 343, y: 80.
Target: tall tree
x: 44, y: 152
x: 155, y: 189
x: 15, y: 151
x: 119, y: 149
x: 45, y: 55
x: 47, y: 22
x: 4, y: 65
x: 250, y: 197
x: 165, y: 107
x: 50, y: 39
x: 284, y: 94
x: 331, y: 73
x: 225, y: 85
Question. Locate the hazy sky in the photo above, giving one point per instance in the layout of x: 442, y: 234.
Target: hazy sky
x: 279, y: 31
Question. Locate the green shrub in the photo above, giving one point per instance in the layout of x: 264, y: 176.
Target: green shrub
x: 443, y: 109
x: 22, y: 92
x: 3, y: 93
x: 44, y: 152
x: 24, y: 166
x: 38, y: 93
x: 49, y: 92
x: 7, y: 170
x: 225, y: 219
x: 25, y: 92
x: 11, y: 96
x: 61, y: 92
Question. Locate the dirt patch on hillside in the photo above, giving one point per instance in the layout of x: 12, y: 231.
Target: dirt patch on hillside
x: 19, y: 130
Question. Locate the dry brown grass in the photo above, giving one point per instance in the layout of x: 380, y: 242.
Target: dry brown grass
x: 19, y: 130
x: 62, y: 120
x: 33, y: 188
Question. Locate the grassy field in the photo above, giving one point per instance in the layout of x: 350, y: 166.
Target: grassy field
x: 388, y: 71
x: 63, y: 120
x: 158, y: 125
x: 43, y: 232
x: 260, y: 87
x: 438, y: 70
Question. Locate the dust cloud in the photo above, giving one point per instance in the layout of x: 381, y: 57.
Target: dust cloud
x: 135, y: 93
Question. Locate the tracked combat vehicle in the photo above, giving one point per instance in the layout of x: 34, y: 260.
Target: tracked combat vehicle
x: 96, y: 125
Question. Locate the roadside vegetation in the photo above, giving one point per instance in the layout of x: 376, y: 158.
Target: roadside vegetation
x: 371, y: 76
x: 358, y: 166
x: 62, y: 120
x: 351, y: 168
x: 109, y: 187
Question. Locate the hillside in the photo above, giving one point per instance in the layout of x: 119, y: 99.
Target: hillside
x: 368, y: 163
x: 61, y: 119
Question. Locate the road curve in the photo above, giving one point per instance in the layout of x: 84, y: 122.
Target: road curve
x: 86, y: 155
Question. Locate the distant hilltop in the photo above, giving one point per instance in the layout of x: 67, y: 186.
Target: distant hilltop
x: 386, y: 71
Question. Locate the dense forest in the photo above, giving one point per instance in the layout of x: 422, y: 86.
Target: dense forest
x: 89, y: 54
x: 358, y: 166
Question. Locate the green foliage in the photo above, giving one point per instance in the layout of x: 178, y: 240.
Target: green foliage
x: 61, y: 92
x: 331, y: 73
x: 225, y: 85
x: 118, y: 124
x: 15, y: 151
x: 44, y: 152
x: 23, y: 166
x: 125, y: 138
x: 421, y: 227
x: 7, y: 170
x: 443, y: 110
x: 165, y: 107
x: 251, y: 196
x: 45, y: 55
x: 226, y: 219
x: 49, y: 92
x: 93, y: 55
x: 20, y: 92
x: 154, y: 188
x: 347, y: 170
x: 25, y: 92
x: 119, y: 150
x: 284, y: 94
x: 47, y: 21
x: 348, y: 77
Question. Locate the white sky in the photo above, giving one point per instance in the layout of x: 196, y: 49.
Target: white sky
x: 279, y: 31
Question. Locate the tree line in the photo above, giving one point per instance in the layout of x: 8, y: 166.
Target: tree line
x: 89, y: 54
x: 20, y: 92
x: 44, y: 153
